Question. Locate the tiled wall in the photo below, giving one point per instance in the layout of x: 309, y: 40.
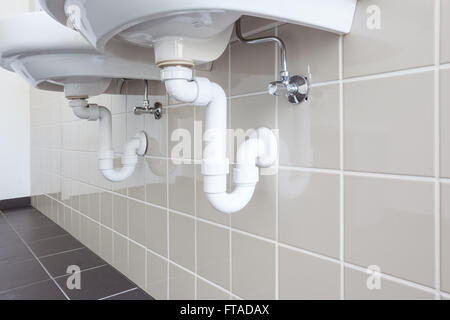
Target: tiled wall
x: 364, y: 177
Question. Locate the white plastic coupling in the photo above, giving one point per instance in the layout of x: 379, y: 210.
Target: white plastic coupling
x: 176, y: 73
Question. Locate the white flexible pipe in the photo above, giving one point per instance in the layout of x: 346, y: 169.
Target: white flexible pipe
x: 215, y: 165
x: 132, y: 148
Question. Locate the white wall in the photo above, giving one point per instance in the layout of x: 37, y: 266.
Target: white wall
x: 14, y: 123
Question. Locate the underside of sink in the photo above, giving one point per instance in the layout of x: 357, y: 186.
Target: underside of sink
x: 51, y: 56
x: 194, y: 31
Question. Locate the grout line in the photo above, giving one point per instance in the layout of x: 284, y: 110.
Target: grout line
x: 118, y: 294
x: 35, y: 256
x: 341, y: 171
x: 230, y: 234
x: 166, y: 209
x: 62, y: 252
x: 87, y: 269
x: 437, y: 164
x: 277, y: 251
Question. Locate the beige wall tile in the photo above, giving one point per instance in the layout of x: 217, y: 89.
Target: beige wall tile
x: 120, y: 261
x: 136, y: 183
x: 308, y: 209
x: 311, y: 52
x: 356, y: 289
x: 445, y: 31
x: 249, y: 74
x: 377, y: 136
x: 137, y: 264
x: 182, y: 187
x: 445, y: 237
x: 445, y: 123
x: 180, y: 131
x: 404, y: 40
x: 182, y: 240
x: 106, y: 245
x: 120, y: 215
x: 390, y: 224
x: 181, y: 284
x: 156, y: 181
x: 259, y: 215
x: 137, y: 221
x: 157, y: 134
x: 206, y: 291
x: 213, y: 254
x: 306, y: 277
x: 309, y: 132
x: 106, y: 209
x: 253, y: 267
x: 157, y: 278
x: 156, y: 230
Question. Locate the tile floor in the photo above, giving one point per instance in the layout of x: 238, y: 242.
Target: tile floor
x: 35, y: 254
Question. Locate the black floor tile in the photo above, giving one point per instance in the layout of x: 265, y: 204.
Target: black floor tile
x: 97, y: 284
x: 84, y: 258
x: 15, y: 252
x: 54, y: 245
x: 41, y: 291
x: 14, y: 275
x: 27, y: 219
x: 137, y: 294
x: 36, y: 234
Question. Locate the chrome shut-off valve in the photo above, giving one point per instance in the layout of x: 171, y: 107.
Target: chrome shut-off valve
x: 295, y: 88
x: 156, y: 110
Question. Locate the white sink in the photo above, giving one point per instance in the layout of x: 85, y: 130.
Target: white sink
x: 188, y: 31
x: 51, y: 56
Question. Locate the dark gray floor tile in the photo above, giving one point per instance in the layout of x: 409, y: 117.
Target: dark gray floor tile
x: 15, y: 252
x: 54, y: 245
x: 5, y: 228
x: 84, y: 258
x: 29, y: 219
x: 14, y: 275
x: 137, y: 294
x: 8, y: 238
x: 98, y: 283
x: 41, y: 291
x: 35, y: 234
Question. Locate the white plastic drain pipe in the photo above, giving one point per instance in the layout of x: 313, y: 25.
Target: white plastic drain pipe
x: 134, y: 147
x: 260, y: 150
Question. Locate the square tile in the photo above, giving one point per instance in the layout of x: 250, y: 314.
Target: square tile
x: 97, y: 284
x: 55, y: 245
x: 14, y: 275
x: 309, y: 132
x: 308, y: 209
x: 181, y: 284
x: 377, y: 137
x: 304, y: 277
x: 390, y: 224
x: 445, y: 123
x: 253, y: 268
x: 445, y: 237
x: 58, y: 264
x: 182, y: 240
x: 213, y: 254
x: 157, y: 230
x: 136, y: 183
x: 356, y: 288
x: 311, y: 52
x: 157, y: 276
x: 388, y: 36
x: 249, y: 74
